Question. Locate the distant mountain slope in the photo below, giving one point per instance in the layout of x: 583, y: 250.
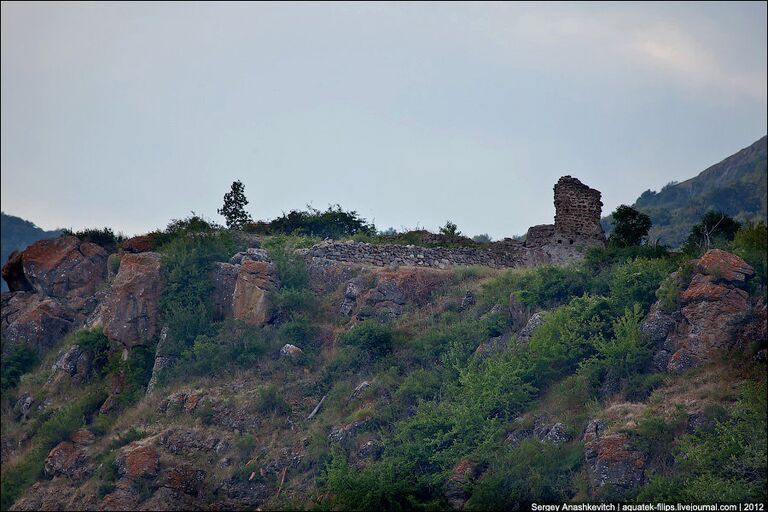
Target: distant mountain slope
x: 736, y: 186
x: 17, y: 233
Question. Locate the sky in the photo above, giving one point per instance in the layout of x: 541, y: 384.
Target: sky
x: 129, y: 115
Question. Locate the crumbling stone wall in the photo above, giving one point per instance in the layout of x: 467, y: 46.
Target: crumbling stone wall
x: 577, y: 226
x: 577, y: 213
x: 499, y: 256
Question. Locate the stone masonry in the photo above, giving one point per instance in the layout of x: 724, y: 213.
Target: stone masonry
x: 576, y: 228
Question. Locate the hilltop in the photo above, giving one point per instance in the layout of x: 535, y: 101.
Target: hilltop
x: 737, y: 186
x: 202, y: 368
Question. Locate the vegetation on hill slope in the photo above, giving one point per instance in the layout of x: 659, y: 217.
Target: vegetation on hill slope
x: 737, y: 186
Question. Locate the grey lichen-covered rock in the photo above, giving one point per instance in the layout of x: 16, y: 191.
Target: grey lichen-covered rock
x: 352, y: 291
x: 468, y: 301
x: 74, y: 364
x: 291, y: 352
x: 533, y: 323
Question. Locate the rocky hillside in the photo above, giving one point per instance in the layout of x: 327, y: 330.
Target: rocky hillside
x: 208, y: 369
x: 18, y: 233
x: 736, y: 186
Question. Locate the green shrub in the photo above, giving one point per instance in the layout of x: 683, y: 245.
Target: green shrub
x: 715, y: 230
x: 539, y: 288
x: 331, y: 223
x: 232, y: 343
x: 418, y: 385
x: 567, y: 336
x: 369, y: 336
x: 105, y: 237
x: 532, y: 472
x: 20, y: 359
x: 187, y: 262
x: 751, y: 243
x: 270, y: 401
x: 636, y: 281
x: 640, y: 386
x: 94, y: 342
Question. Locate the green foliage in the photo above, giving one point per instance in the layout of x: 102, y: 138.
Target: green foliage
x: 231, y: 344
x: 370, y: 337
x: 539, y: 288
x: 531, y: 472
x: 291, y: 268
x: 234, y: 207
x: 58, y: 427
x: 136, y: 372
x: 93, y: 341
x: 568, y: 335
x: 20, y: 359
x: 630, y: 227
x: 382, y: 486
x: 187, y: 262
x: 636, y: 281
x: 331, y: 223
x: 418, y: 385
x: 104, y: 237
x: 450, y: 230
x: 628, y: 351
x: 270, y: 402
x: 751, y: 243
x: 726, y: 464
x: 715, y: 230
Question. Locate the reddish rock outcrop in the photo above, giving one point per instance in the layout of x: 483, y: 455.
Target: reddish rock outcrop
x: 249, y: 300
x: 65, y: 267
x: 143, y: 243
x: 130, y: 311
x: 612, y: 465
x: 713, y: 312
x: 138, y: 459
x: 13, y: 274
x: 65, y: 459
x: 34, y: 320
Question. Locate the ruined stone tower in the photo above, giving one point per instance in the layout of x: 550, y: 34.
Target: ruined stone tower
x: 577, y: 214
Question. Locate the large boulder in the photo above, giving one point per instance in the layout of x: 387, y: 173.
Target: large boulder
x: 74, y: 364
x: 65, y: 267
x: 143, y: 243
x: 34, y: 320
x: 13, y: 274
x: 130, y: 311
x: 612, y: 465
x: 65, y: 459
x: 713, y: 310
x: 255, y: 279
x: 138, y: 459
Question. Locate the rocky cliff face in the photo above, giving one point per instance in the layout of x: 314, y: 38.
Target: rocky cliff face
x: 712, y: 314
x: 222, y: 443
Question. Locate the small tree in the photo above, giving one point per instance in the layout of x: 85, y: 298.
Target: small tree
x: 450, y: 229
x: 715, y: 229
x: 234, y: 207
x: 630, y: 227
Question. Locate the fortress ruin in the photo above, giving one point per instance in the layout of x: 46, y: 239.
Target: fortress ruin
x: 577, y: 228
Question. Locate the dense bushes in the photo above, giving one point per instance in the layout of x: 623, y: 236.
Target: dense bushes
x: 531, y: 472
x: 369, y: 336
x: 20, y: 360
x: 233, y: 343
x: 58, y: 427
x: 331, y: 223
x: 724, y: 464
x: 104, y: 237
x: 751, y: 243
x: 187, y: 261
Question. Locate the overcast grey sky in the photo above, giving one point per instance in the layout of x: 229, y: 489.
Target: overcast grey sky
x: 129, y: 115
